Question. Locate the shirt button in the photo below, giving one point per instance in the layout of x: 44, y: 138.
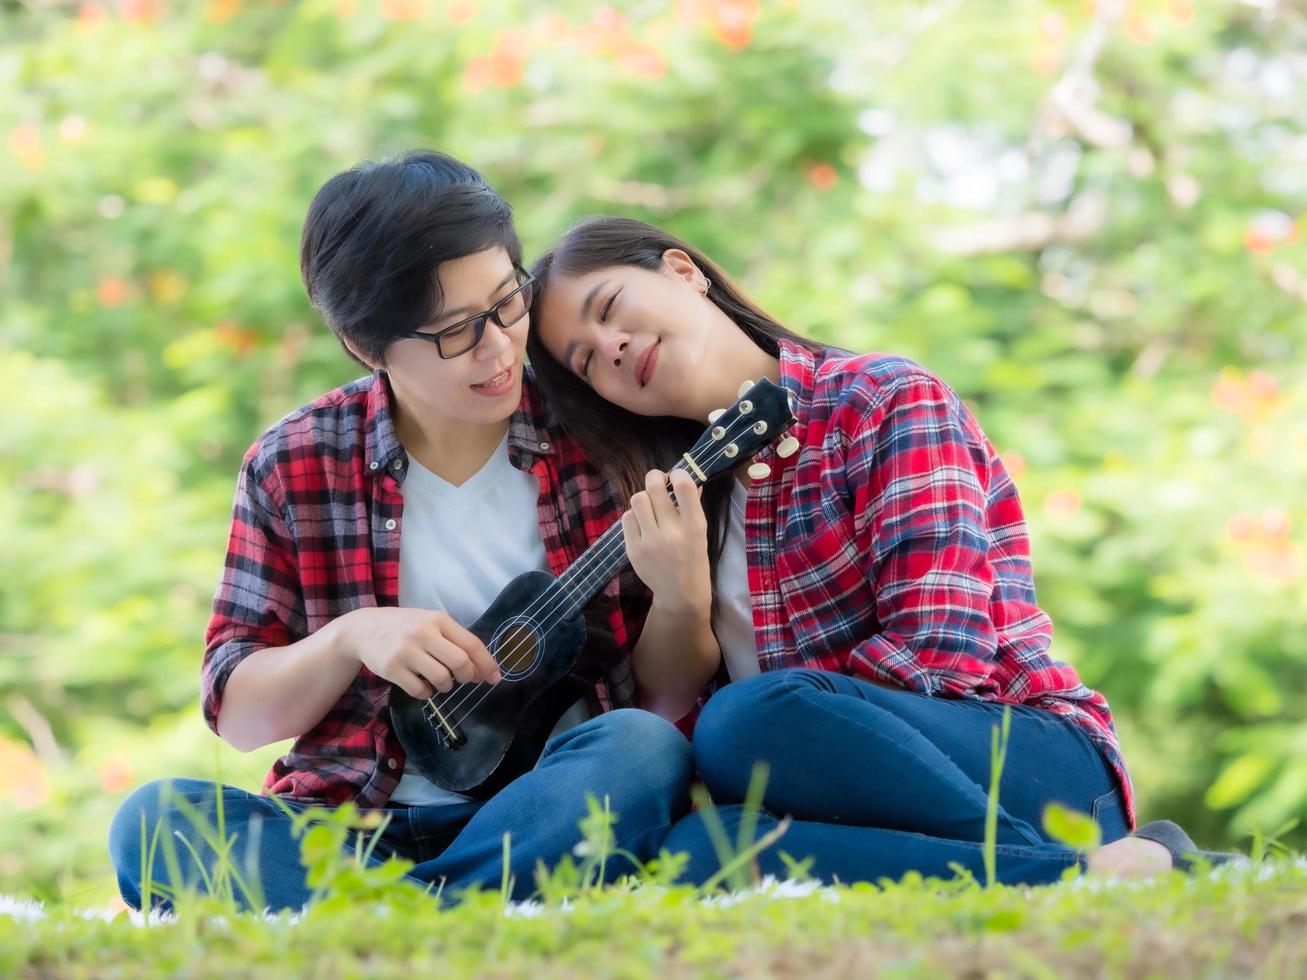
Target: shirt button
x: 391, y: 524
x: 398, y: 465
x: 392, y: 764
x: 374, y: 465
x: 544, y: 447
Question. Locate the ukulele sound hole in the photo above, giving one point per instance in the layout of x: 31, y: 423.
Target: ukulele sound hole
x: 517, y: 648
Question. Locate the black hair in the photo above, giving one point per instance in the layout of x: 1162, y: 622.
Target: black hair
x: 375, y: 235
x: 623, y: 444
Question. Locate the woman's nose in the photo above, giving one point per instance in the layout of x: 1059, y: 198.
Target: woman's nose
x: 493, y: 340
x: 618, y: 350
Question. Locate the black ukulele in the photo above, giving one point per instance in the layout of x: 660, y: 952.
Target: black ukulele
x: 478, y: 737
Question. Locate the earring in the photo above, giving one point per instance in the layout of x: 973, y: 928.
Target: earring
x: 707, y: 285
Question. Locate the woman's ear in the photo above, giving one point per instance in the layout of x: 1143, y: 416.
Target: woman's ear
x: 679, y: 264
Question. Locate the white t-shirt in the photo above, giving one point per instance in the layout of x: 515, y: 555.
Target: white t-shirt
x: 732, y: 619
x: 458, y: 547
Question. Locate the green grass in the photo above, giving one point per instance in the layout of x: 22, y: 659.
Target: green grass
x: 372, y: 921
x: 1233, y: 922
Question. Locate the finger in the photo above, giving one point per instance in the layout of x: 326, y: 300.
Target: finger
x: 413, y: 685
x: 432, y: 671
x: 458, y: 663
x: 632, y: 537
x: 655, y: 484
x: 483, y: 661
x: 687, y: 496
x: 642, y: 510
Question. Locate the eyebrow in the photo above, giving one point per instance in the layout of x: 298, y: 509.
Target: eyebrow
x: 470, y: 309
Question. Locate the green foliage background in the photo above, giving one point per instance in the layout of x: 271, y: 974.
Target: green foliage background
x: 1087, y: 217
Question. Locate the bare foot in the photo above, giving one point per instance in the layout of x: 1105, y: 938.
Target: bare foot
x: 1129, y: 857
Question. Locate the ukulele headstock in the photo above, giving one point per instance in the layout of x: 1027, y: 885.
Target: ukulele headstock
x: 759, y: 416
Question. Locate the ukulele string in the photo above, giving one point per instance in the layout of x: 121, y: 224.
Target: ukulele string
x: 602, y: 552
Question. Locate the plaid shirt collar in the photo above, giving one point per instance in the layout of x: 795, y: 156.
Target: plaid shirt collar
x: 798, y: 377
x: 528, y: 429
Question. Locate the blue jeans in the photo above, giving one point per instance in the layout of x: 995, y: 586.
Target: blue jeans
x: 638, y: 760
x: 880, y: 782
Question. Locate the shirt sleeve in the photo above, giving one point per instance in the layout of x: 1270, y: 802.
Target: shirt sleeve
x: 258, y: 600
x: 918, y: 474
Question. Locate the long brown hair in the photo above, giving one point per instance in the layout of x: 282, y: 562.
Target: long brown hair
x: 624, y: 445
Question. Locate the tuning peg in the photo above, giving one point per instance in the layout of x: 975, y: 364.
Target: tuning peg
x: 731, y: 450
x: 787, y: 447
x: 759, y: 471
x: 744, y: 387
x: 715, y: 414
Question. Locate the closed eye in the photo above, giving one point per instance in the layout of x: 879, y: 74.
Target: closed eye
x: 584, y: 368
x: 603, y: 315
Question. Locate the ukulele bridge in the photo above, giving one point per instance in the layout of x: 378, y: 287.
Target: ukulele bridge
x: 449, y: 734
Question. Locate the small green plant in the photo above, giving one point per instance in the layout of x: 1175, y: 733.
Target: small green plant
x: 738, y: 869
x: 598, y: 845
x: 217, y: 881
x: 997, y: 758
x: 1264, y: 845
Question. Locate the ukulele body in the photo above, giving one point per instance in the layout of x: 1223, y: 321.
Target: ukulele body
x: 501, y: 729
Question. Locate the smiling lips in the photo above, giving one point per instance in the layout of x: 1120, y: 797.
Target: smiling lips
x: 497, y: 385
x: 644, y: 367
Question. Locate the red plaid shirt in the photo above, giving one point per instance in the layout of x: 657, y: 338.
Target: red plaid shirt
x: 315, y: 533
x: 893, y: 546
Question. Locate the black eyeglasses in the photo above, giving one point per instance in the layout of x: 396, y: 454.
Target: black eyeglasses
x: 461, y: 337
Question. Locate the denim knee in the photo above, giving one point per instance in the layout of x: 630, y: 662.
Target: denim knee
x: 740, y: 725
x: 162, y: 799
x: 142, y: 809
x: 648, y: 746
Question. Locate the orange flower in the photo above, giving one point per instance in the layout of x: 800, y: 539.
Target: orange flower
x: 553, y: 29
x: 221, y: 11
x: 1182, y: 11
x: 1275, y: 522
x: 25, y: 142
x: 503, y: 68
x: 1268, y: 551
x: 610, y: 21
x: 112, y: 291
x: 115, y: 776
x: 1267, y: 230
x: 1254, y: 398
x: 605, y: 33
x: 89, y: 16
x: 23, y: 779
x: 1061, y: 504
x: 402, y: 10
x: 643, y: 60
x: 141, y: 11
x: 733, y: 20
x: 460, y: 11
x: 1052, y: 27
x: 236, y: 339
x: 822, y: 176
x: 1241, y: 528
x: 1045, y: 63
x: 1278, y: 561
x: 1139, y: 29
